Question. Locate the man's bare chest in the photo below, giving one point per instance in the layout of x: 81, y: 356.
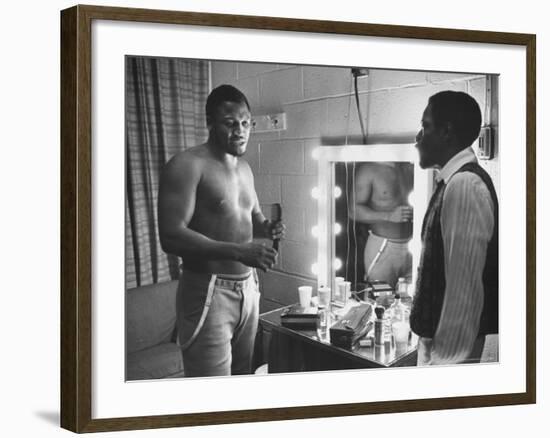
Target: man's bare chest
x: 225, y: 193
x: 392, y: 185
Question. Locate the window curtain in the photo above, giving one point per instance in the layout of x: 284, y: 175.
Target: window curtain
x: 165, y: 101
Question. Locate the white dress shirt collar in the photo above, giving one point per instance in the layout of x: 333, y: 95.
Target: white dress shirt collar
x: 454, y: 164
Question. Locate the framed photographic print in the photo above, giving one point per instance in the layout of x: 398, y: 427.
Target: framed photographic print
x: 263, y: 208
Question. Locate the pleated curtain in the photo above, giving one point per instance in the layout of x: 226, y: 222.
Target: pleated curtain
x: 165, y: 99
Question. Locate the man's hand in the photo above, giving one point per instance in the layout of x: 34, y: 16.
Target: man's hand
x: 403, y: 213
x: 257, y: 255
x: 274, y: 229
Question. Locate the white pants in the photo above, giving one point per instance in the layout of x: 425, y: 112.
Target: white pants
x: 217, y: 318
x: 395, y: 260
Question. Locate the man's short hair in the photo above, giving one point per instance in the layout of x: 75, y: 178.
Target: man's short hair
x: 224, y: 93
x: 460, y: 110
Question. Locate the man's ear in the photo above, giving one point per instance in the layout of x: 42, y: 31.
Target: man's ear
x: 208, y: 122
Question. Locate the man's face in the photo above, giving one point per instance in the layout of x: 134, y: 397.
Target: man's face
x: 429, y: 141
x: 230, y: 127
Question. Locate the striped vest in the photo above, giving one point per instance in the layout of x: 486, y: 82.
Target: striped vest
x: 430, y: 285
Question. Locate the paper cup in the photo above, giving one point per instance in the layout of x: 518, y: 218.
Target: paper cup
x: 305, y: 295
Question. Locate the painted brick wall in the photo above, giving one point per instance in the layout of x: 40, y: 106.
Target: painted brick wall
x: 321, y: 110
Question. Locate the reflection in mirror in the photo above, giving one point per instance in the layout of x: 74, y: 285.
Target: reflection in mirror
x: 375, y: 216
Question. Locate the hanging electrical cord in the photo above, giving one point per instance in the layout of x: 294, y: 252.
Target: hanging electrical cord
x: 348, y: 242
x: 349, y: 109
x: 363, y: 132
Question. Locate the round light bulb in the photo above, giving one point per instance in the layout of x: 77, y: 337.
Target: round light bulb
x: 315, y: 269
x: 315, y: 153
x: 337, y: 192
x: 315, y: 231
x: 337, y: 228
x: 315, y: 192
x: 337, y: 264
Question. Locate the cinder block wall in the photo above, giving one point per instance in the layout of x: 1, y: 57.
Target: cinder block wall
x: 321, y: 110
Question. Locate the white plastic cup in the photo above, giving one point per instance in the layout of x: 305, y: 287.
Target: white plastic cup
x: 400, y: 331
x: 324, y: 296
x: 305, y: 295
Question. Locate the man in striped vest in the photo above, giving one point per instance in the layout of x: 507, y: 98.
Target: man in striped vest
x: 456, y: 299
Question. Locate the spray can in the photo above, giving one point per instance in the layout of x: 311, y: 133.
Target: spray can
x: 379, y: 326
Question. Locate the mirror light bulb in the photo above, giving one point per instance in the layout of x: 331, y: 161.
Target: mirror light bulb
x: 337, y: 192
x: 315, y: 269
x: 315, y: 193
x: 315, y: 231
x: 337, y: 264
x: 337, y: 228
x: 315, y: 153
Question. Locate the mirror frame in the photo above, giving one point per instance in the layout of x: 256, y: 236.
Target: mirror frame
x: 420, y: 196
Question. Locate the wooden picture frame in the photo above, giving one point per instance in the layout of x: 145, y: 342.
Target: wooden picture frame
x: 76, y: 217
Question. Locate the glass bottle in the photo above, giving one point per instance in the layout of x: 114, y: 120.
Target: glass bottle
x: 382, y: 326
x: 379, y: 325
x: 322, y: 322
x: 400, y: 324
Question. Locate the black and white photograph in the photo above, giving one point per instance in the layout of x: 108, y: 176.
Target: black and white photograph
x: 275, y: 219
x: 285, y: 218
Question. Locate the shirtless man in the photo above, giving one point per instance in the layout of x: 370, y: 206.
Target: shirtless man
x: 381, y: 192
x: 208, y: 214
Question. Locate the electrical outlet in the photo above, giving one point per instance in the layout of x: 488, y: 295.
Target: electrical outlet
x: 485, y: 143
x: 359, y: 72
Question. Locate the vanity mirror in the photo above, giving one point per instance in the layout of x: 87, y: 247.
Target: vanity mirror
x: 371, y: 202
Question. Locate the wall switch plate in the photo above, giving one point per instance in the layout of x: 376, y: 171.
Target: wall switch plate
x: 485, y: 143
x: 269, y: 122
